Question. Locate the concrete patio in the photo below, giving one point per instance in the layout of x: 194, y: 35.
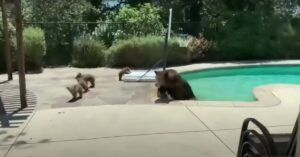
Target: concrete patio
x: 117, y: 119
x: 143, y: 130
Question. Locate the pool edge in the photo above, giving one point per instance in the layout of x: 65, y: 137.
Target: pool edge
x: 264, y: 95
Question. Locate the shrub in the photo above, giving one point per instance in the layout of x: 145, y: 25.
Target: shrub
x: 198, y: 46
x: 88, y: 52
x: 142, y: 52
x: 129, y: 22
x: 58, y: 54
x: 35, y: 48
x: 105, y: 32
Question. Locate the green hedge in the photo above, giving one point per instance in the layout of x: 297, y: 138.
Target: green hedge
x: 35, y: 48
x: 88, y: 52
x: 143, y: 52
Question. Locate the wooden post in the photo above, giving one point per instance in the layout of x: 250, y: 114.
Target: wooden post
x: 7, y: 42
x: 20, y: 51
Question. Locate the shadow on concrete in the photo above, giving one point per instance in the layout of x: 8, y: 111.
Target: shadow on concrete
x: 13, y: 120
x: 73, y: 100
x: 162, y: 101
x: 2, y: 109
x: 11, y: 113
x: 3, y: 82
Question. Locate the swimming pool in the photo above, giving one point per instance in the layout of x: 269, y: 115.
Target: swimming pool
x: 237, y: 84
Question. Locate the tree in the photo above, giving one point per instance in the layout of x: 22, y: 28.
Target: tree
x: 131, y: 21
x: 58, y: 20
x: 55, y: 10
x: 6, y: 38
x: 186, y: 14
x: 20, y: 50
x: 139, y: 21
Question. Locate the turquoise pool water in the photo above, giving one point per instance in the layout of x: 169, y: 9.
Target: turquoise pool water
x: 237, y: 84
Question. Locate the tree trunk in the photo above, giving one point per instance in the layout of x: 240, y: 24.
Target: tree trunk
x: 7, y: 42
x: 20, y: 51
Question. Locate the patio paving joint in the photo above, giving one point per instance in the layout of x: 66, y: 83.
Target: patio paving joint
x: 19, y: 134
x: 268, y: 126
x: 2, y: 145
x: 110, y: 137
x: 210, y: 130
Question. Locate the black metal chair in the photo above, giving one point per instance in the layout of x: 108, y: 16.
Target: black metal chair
x: 255, y: 144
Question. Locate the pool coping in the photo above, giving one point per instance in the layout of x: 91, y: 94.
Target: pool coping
x: 264, y: 94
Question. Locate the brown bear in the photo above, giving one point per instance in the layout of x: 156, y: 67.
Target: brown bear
x: 170, y: 82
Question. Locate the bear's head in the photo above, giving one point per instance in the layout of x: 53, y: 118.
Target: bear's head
x: 79, y: 75
x: 164, y: 78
